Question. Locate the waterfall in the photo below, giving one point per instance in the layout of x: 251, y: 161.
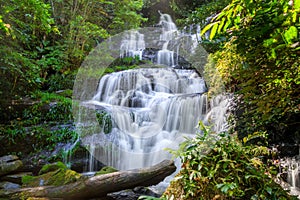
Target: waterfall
x: 149, y: 108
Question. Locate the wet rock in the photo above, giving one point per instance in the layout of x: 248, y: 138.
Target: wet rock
x: 133, y: 194
x: 8, y: 185
x: 9, y: 163
x: 146, y: 191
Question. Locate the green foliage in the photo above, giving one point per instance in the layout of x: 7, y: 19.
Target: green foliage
x: 197, y: 12
x: 49, y: 107
x: 218, y: 166
x: 28, y: 21
x: 34, y: 139
x: 125, y: 15
x: 260, y: 62
x: 43, y: 43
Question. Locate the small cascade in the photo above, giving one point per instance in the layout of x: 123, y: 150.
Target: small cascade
x: 293, y: 173
x: 132, y: 45
x: 169, y: 32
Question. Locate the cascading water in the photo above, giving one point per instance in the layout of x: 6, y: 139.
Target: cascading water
x: 149, y: 109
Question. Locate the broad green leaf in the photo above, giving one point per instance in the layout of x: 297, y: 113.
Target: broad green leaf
x: 213, y: 31
x: 221, y: 25
x: 208, y: 27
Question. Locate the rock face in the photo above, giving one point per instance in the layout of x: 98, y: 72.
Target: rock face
x: 9, y: 164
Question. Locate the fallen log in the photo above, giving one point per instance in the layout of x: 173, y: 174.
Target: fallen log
x: 100, y: 185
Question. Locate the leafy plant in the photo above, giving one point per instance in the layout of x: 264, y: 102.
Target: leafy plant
x: 260, y: 63
x: 219, y: 166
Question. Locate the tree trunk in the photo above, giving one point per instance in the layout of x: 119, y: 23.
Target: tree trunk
x: 101, y: 185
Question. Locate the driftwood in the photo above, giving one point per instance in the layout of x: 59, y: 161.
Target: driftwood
x: 99, y: 186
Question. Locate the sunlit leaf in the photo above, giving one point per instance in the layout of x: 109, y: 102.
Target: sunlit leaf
x: 297, y: 4
x: 290, y: 34
x: 208, y: 27
x: 213, y: 31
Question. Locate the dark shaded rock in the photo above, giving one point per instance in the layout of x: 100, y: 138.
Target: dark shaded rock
x: 124, y: 195
x: 146, y: 191
x: 15, y: 178
x: 9, y: 164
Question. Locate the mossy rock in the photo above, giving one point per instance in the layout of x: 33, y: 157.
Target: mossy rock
x: 52, y: 167
x: 54, y: 178
x: 106, y: 170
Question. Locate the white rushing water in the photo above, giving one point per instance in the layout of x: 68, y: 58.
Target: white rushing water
x: 150, y: 109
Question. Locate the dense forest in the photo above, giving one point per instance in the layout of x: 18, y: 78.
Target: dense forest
x: 254, y: 45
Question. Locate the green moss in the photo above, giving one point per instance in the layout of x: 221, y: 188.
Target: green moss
x: 27, y: 179
x: 62, y: 177
x: 52, y: 167
x: 106, y: 170
x: 55, y: 175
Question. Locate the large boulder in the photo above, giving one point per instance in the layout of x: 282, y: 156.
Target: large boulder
x: 9, y: 164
